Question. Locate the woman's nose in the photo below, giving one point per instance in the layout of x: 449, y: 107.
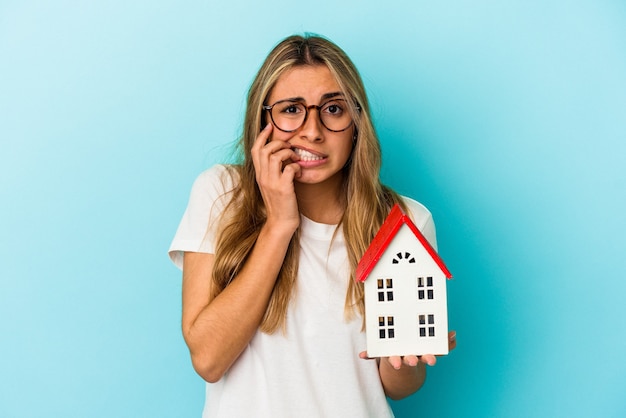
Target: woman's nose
x: 312, y: 129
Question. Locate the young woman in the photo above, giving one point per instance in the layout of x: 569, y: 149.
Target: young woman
x: 272, y: 314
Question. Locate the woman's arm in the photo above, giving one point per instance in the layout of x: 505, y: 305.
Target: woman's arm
x: 217, y: 331
x: 403, y: 376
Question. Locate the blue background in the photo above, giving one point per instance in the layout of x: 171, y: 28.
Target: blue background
x: 507, y: 119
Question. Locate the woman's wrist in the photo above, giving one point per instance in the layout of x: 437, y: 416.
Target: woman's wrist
x: 278, y: 228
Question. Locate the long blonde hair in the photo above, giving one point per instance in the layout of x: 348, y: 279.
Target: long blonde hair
x: 370, y: 201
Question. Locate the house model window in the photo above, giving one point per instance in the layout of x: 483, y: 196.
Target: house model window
x: 404, y: 290
x: 425, y: 291
x: 385, y: 290
x: 431, y: 322
x: 400, y: 256
x: 385, y: 327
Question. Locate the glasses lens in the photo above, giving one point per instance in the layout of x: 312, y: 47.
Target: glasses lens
x: 335, y: 115
x: 288, y: 116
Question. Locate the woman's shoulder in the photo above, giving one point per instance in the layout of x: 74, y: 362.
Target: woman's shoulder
x: 219, y: 172
x: 223, y: 177
x: 418, y: 212
x: 422, y: 218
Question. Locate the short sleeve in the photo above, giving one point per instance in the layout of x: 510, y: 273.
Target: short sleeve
x: 423, y: 219
x: 198, y: 227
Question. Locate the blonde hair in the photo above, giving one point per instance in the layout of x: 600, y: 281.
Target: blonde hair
x: 370, y: 201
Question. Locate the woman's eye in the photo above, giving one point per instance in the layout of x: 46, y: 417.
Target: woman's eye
x: 333, y: 109
x: 291, y: 109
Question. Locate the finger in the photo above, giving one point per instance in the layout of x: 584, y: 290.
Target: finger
x: 271, y: 158
x: 263, y: 137
x: 293, y: 169
x: 277, y: 151
x: 451, y: 340
x: 411, y: 360
x: 395, y: 362
x: 277, y: 163
x: 258, y: 144
x: 263, y: 148
x: 363, y: 355
x: 429, y: 359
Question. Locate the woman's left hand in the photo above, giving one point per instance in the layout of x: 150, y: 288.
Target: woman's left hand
x: 402, y: 376
x: 412, y: 360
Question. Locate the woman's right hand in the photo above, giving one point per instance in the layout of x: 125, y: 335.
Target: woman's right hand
x: 276, y: 168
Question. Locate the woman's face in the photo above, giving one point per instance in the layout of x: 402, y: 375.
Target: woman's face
x: 322, y: 152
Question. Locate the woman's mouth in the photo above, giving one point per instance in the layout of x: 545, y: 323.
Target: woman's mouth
x: 305, y: 155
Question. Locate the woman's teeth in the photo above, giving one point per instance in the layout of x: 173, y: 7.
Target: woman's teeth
x: 306, y: 155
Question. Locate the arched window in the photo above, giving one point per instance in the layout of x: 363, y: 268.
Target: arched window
x: 403, y: 256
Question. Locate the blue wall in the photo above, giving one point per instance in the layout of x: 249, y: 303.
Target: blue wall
x: 507, y: 119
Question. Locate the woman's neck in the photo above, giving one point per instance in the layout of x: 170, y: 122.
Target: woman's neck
x: 321, y: 203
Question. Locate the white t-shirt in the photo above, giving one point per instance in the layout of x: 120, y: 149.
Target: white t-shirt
x: 313, y: 370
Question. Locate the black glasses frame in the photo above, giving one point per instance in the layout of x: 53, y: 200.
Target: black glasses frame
x: 306, y: 114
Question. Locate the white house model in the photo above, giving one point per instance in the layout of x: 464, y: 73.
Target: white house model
x: 405, y: 291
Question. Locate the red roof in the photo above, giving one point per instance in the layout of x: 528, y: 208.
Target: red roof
x: 383, y: 238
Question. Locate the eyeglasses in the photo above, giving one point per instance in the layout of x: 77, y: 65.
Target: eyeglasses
x: 290, y: 115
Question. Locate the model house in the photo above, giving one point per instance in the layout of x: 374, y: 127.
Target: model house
x: 405, y: 291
